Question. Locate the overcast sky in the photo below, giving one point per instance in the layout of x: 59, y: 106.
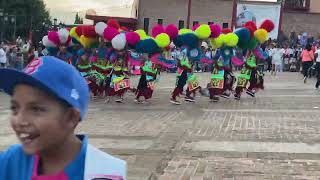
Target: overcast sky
x: 65, y: 10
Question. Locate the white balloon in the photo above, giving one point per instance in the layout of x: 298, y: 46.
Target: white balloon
x: 119, y: 42
x: 47, y: 43
x: 63, y: 35
x: 100, y: 27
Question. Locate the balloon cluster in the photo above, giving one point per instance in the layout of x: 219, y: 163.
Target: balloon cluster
x: 160, y: 38
x: 85, y: 35
x: 54, y: 39
x: 250, y: 36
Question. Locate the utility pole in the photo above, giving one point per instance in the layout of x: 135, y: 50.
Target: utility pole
x: 234, y: 13
x: 189, y: 13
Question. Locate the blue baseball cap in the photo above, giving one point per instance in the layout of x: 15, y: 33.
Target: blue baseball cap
x: 51, y: 75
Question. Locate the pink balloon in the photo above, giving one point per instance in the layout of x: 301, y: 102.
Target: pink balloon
x: 195, y: 27
x: 132, y: 38
x: 53, y: 36
x: 172, y: 31
x: 109, y: 33
x: 215, y: 30
x: 156, y: 30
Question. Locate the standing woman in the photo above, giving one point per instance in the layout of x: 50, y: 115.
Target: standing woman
x: 307, y: 56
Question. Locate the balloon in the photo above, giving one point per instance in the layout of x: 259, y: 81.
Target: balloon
x: 63, y: 35
x: 267, y: 25
x: 261, y: 35
x: 218, y: 42
x: 243, y: 34
x: 231, y: 40
x: 163, y: 40
x: 215, y: 30
x: 203, y: 31
x: 54, y: 37
x: 74, y: 34
x: 195, y: 27
x: 132, y: 38
x: 184, y: 31
x: 119, y: 42
x: 142, y: 34
x: 89, y: 31
x: 172, y: 31
x: 113, y: 23
x: 99, y: 28
x: 87, y: 42
x: 109, y: 33
x: 156, y: 30
x: 47, y: 43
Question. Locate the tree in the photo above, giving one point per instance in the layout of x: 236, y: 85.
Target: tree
x: 78, y: 19
x: 31, y: 16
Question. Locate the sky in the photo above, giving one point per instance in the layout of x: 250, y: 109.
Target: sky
x: 65, y: 10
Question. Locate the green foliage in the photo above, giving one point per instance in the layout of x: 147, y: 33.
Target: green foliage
x: 30, y: 15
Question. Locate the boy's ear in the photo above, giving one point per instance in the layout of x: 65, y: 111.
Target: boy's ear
x: 73, y: 117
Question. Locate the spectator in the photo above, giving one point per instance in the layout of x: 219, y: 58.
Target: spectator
x: 19, y: 41
x: 277, y: 56
x: 307, y: 61
x: 38, y: 53
x: 20, y: 59
x: 317, y: 57
x: 12, y: 57
x: 31, y: 55
x: 3, y: 57
x: 269, y: 59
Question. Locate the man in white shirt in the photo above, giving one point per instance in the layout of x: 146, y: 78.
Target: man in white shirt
x: 3, y: 57
x: 277, y: 57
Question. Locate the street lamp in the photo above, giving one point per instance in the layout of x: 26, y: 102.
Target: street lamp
x: 55, y: 20
x: 1, y: 26
x: 14, y: 21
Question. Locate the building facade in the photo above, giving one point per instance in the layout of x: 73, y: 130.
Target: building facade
x: 297, y: 15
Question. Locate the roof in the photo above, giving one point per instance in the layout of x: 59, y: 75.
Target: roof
x: 106, y: 18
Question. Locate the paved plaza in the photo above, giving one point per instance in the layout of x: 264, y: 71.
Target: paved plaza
x: 273, y: 136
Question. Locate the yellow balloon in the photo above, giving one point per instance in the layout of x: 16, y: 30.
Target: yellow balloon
x: 231, y: 39
x: 74, y: 34
x: 261, y: 35
x: 184, y: 31
x: 219, y: 41
x: 142, y: 34
x: 87, y: 42
x: 203, y: 32
x: 163, y: 40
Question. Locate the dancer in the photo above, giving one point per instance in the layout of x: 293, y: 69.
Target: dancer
x: 184, y: 75
x: 252, y: 51
x: 147, y: 80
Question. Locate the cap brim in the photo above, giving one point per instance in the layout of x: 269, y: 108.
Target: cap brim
x: 9, y: 78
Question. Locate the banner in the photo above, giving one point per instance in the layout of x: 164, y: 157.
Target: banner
x: 258, y: 13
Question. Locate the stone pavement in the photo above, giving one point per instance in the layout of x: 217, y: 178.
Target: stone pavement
x: 273, y: 136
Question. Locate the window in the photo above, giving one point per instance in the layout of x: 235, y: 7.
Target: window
x: 225, y: 25
x: 160, y: 21
x: 209, y: 23
x: 146, y: 25
x: 181, y: 24
x: 299, y: 5
x: 195, y: 22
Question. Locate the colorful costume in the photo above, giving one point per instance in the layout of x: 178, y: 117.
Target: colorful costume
x: 147, y: 81
x: 184, y: 76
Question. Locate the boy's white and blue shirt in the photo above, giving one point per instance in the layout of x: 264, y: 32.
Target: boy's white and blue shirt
x: 90, y: 163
